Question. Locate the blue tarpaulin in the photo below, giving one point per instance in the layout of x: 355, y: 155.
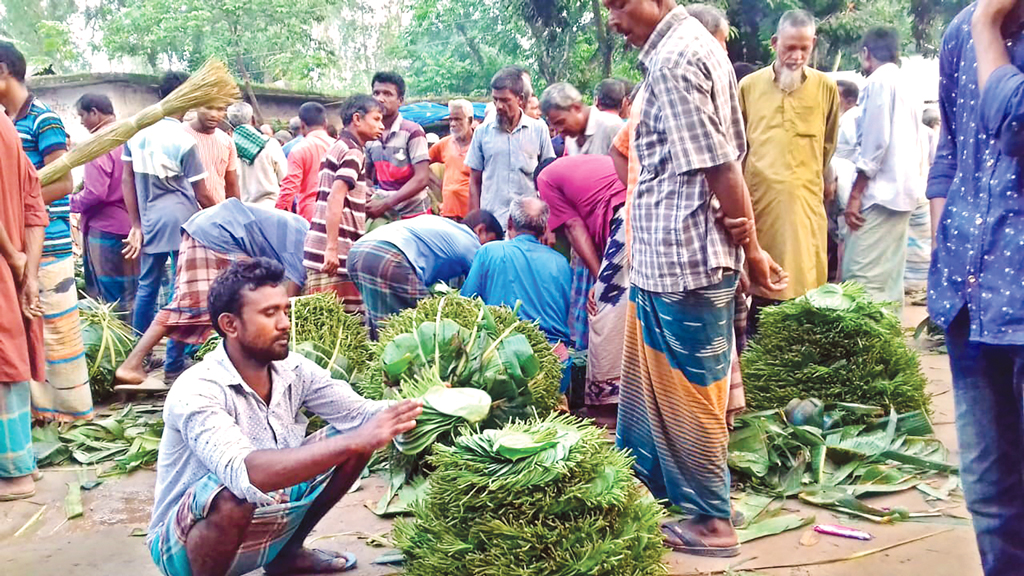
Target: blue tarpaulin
x: 426, y: 113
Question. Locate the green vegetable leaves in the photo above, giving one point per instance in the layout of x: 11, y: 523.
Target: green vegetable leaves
x: 444, y: 411
x: 108, y: 340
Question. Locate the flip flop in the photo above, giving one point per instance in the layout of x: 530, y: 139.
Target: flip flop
x: 150, y: 385
x: 693, y: 545
x: 19, y: 496
x: 37, y: 475
x: 325, y: 564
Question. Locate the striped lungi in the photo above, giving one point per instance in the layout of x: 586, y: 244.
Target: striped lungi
x: 16, y: 456
x: 187, y: 317
x: 271, y: 528
x: 919, y: 248
x: 386, y: 280
x: 579, y: 293
x: 608, y: 326
x: 109, y: 276
x: 675, y: 391
x: 65, y: 395
x: 341, y: 286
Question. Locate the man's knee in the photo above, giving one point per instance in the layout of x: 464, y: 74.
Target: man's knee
x: 229, y: 510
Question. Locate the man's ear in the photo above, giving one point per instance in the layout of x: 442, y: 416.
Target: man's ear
x: 775, y: 42
x: 228, y: 324
x: 4, y: 71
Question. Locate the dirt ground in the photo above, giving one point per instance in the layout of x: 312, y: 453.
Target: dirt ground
x: 100, y: 543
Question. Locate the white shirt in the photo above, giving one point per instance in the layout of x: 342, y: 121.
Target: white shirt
x: 893, y: 146
x: 846, y: 148
x: 602, y: 128
x: 260, y: 183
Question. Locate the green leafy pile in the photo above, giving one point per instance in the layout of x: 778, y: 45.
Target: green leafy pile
x: 484, y: 347
x: 445, y: 410
x: 830, y: 465
x: 119, y: 442
x: 835, y: 344
x: 108, y: 340
x: 550, y: 497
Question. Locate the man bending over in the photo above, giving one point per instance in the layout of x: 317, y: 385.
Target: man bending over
x: 239, y: 486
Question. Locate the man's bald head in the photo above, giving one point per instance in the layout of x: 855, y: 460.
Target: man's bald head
x: 529, y: 216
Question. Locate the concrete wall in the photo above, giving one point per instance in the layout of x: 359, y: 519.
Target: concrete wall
x: 130, y: 93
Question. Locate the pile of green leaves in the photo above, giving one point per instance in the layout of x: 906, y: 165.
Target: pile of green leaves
x: 485, y: 347
x: 835, y: 344
x: 118, y: 442
x: 108, y: 340
x: 445, y: 410
x: 540, y: 498
x: 832, y: 467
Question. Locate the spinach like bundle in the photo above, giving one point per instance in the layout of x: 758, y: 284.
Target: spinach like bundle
x: 444, y: 411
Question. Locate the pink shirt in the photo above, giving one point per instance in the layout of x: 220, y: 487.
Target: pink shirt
x: 219, y: 156
x: 584, y: 187
x: 300, y: 185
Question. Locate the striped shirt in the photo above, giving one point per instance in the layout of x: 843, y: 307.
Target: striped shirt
x: 219, y: 156
x: 392, y: 159
x: 691, y: 121
x: 342, y: 163
x: 42, y: 133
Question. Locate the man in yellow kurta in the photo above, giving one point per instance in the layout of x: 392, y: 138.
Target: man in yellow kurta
x: 791, y: 113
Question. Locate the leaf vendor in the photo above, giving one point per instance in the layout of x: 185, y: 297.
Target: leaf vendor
x: 239, y: 486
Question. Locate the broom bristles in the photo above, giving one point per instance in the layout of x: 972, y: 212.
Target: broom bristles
x: 211, y: 86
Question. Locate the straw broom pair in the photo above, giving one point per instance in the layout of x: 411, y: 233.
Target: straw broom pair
x: 211, y: 86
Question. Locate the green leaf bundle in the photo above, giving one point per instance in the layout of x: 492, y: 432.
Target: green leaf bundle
x: 544, y: 498
x: 108, y: 340
x: 835, y: 344
x: 444, y: 411
x: 118, y: 442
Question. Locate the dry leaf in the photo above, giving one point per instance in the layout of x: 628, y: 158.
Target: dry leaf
x: 809, y: 538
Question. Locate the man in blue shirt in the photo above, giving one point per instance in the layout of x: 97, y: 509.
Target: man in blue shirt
x: 395, y: 265
x: 524, y: 270
x: 975, y: 287
x: 65, y: 394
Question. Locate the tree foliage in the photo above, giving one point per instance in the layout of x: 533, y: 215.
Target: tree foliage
x: 40, y: 29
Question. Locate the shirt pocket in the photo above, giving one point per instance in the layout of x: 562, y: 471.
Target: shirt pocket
x: 526, y: 156
x: 807, y: 122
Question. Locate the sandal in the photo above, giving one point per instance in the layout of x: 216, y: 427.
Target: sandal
x: 326, y: 563
x: 693, y: 545
x: 17, y: 496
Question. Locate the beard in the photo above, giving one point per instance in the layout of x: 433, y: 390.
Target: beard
x: 505, y: 122
x: 264, y: 352
x: 788, y: 79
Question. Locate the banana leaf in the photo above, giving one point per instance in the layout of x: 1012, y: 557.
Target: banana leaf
x: 772, y: 526
x: 322, y: 357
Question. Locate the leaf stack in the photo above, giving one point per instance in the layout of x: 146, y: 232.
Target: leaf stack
x: 835, y: 344
x: 108, y: 340
x: 550, y: 497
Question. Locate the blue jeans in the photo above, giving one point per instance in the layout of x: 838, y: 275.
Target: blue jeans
x: 151, y: 275
x: 988, y: 387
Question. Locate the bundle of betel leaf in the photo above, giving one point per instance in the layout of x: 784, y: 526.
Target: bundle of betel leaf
x: 445, y: 410
x: 835, y: 344
x: 811, y: 450
x: 108, y: 340
x: 478, y: 346
x: 545, y: 498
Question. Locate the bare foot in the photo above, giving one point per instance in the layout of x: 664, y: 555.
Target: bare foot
x: 126, y: 374
x: 18, y: 263
x: 711, y: 532
x: 17, y: 488
x: 311, y: 561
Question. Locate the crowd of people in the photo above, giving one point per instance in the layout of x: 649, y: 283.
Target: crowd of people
x: 649, y: 229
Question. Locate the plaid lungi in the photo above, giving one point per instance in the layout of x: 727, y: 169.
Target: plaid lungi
x: 65, y: 395
x: 579, y: 293
x: 342, y: 287
x: 109, y: 276
x: 16, y: 456
x: 272, y: 526
x: 187, y: 317
x: 386, y: 280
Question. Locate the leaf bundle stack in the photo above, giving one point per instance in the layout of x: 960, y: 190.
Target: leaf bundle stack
x: 545, y: 498
x: 108, y: 340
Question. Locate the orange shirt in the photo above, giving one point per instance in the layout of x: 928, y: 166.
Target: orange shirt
x: 21, y: 207
x: 624, y: 144
x: 303, y: 177
x: 455, y: 187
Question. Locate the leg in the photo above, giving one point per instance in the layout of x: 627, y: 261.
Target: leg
x: 212, y: 544
x: 987, y: 383
x: 876, y: 255
x: 132, y: 372
x: 293, y: 557
x: 150, y: 276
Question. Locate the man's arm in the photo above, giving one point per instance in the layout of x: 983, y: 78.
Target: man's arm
x: 476, y: 179
x: 1000, y: 84
x: 335, y: 207
x: 581, y: 242
x: 30, y: 306
x: 620, y: 154
x: 204, y: 197
x: 419, y: 181
x: 831, y: 125
x: 476, y: 280
x: 231, y: 185
x: 133, y: 244
x: 56, y: 190
x: 291, y: 183
x: 945, y: 166
x: 875, y: 138
x: 95, y: 185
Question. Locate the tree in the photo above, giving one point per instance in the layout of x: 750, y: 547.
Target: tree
x: 41, y: 31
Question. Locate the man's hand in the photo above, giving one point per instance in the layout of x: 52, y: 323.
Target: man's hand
x: 765, y: 273
x: 331, y: 261
x: 854, y: 219
x: 29, y: 298
x: 740, y: 229
x: 993, y: 11
x: 377, y: 206
x: 17, y: 264
x: 383, y: 427
x: 592, y: 301
x: 133, y: 244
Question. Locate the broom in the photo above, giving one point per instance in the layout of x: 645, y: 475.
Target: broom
x: 212, y: 85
